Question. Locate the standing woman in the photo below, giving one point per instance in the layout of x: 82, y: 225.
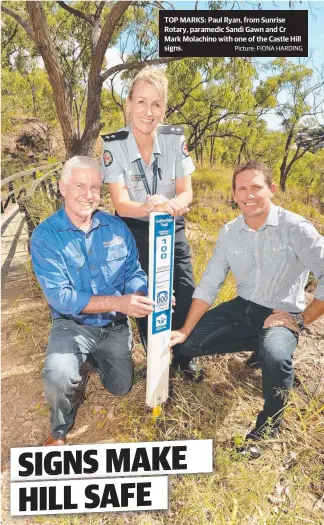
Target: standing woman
x: 148, y: 168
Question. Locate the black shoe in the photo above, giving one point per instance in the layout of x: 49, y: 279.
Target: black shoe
x: 265, y: 432
x: 191, y: 371
x: 253, y: 361
x: 250, y: 448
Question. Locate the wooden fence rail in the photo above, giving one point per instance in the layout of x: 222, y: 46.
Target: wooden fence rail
x: 27, y: 185
x: 32, y: 171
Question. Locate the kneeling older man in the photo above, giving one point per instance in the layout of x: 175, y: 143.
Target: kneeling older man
x: 270, y: 251
x: 86, y: 262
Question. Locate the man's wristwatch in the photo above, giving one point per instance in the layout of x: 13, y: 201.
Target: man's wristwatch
x: 299, y: 318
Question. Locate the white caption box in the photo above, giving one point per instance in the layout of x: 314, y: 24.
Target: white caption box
x: 111, y: 460
x: 96, y: 495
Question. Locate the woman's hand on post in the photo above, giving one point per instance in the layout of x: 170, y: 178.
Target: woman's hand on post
x: 172, y: 207
x: 152, y: 201
x: 178, y: 207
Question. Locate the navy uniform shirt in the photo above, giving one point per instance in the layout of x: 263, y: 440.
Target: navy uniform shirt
x: 72, y: 265
x: 120, y: 152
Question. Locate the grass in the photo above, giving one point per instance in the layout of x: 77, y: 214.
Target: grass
x: 283, y: 487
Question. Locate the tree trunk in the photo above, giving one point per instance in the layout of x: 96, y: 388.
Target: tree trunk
x: 284, y: 172
x: 201, y: 154
x: 211, y: 155
x: 239, y: 157
x: 95, y: 82
x: 39, y: 32
x: 73, y: 144
x: 283, y: 178
x: 54, y: 70
x: 93, y: 126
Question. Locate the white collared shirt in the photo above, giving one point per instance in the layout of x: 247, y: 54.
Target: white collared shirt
x: 270, y: 265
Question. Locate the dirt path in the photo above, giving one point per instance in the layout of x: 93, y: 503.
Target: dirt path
x: 14, y: 277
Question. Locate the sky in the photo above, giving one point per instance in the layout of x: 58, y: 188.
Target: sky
x: 315, y: 34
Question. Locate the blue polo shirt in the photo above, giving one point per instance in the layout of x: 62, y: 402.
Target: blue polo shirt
x: 72, y: 266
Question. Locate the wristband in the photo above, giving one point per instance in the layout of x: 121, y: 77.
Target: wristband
x: 299, y: 318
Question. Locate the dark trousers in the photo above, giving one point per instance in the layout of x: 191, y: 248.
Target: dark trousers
x: 183, y: 282
x: 236, y: 326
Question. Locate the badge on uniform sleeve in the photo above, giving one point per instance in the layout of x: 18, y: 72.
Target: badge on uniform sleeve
x: 184, y: 149
x: 107, y: 158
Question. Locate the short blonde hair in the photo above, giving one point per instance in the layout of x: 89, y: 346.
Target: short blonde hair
x: 156, y: 77
x: 79, y: 161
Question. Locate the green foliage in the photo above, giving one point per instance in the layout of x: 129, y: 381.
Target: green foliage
x: 18, y: 53
x: 26, y: 96
x: 140, y: 31
x: 112, y: 115
x: 309, y: 173
x: 221, y: 102
x: 75, y: 37
x: 204, y: 95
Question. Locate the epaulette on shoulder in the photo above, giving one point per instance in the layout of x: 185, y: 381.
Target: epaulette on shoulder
x: 119, y: 135
x: 173, y: 129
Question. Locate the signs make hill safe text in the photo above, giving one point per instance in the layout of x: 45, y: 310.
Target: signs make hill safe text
x: 101, y: 478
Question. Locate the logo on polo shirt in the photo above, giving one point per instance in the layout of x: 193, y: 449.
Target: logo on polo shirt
x: 114, y: 242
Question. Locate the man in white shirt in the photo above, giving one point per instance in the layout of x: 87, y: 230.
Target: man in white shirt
x: 270, y: 252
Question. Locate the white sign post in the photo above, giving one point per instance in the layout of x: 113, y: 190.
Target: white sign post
x: 161, y: 255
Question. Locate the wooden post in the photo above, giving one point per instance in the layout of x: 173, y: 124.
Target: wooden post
x: 43, y: 186
x: 11, y: 188
x: 30, y: 223
x: 51, y: 189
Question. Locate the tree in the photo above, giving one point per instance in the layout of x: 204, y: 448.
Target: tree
x: 303, y: 101
x: 204, y: 96
x: 27, y: 98
x: 308, y: 173
x: 101, y: 24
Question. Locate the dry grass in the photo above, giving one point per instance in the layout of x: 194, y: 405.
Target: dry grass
x: 283, y: 487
